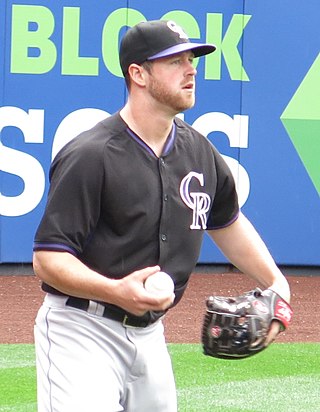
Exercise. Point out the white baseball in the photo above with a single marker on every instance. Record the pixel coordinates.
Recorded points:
(160, 283)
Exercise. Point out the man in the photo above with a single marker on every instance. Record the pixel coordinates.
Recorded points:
(130, 197)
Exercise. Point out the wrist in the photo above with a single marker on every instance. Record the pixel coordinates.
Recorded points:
(282, 289)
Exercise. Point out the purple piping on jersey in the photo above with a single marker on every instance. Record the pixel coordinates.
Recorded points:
(170, 140)
(226, 225)
(167, 147)
(140, 142)
(54, 247)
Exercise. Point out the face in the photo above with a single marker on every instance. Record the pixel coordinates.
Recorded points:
(171, 82)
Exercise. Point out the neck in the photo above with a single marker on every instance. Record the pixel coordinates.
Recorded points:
(153, 127)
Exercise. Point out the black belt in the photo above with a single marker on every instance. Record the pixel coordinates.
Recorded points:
(109, 312)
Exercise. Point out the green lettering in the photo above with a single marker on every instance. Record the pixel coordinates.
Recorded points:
(23, 40)
(72, 63)
(186, 21)
(214, 35)
(110, 36)
(228, 46)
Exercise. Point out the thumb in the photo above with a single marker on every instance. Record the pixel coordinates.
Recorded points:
(273, 332)
(143, 274)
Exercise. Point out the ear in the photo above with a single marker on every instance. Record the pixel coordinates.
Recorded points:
(137, 74)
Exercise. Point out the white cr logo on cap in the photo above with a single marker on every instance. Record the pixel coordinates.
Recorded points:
(177, 29)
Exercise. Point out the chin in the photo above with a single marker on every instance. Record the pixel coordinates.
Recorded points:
(186, 107)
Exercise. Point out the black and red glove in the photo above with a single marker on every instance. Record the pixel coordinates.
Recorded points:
(237, 327)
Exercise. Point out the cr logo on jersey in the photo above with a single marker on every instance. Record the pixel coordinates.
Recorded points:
(199, 202)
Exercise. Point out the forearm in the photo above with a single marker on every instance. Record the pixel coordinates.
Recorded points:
(245, 249)
(69, 275)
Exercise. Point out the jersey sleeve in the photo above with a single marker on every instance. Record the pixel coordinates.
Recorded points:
(225, 207)
(73, 204)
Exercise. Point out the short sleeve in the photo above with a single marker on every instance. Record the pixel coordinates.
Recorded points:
(73, 204)
(225, 207)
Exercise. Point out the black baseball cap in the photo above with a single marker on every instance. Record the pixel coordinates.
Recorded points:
(154, 39)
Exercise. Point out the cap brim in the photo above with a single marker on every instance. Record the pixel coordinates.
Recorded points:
(197, 48)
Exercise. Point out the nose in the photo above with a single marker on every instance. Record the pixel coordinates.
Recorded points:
(191, 70)
(194, 70)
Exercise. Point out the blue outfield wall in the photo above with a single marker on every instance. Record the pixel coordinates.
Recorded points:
(257, 100)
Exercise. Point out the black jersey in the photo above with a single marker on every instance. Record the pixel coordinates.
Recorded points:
(119, 208)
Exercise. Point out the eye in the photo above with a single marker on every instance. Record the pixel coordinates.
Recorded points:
(176, 61)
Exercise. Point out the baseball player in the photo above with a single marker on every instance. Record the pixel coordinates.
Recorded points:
(128, 198)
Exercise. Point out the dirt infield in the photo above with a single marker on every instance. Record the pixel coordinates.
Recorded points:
(21, 296)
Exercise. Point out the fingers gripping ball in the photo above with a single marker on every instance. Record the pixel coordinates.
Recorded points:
(237, 327)
(160, 284)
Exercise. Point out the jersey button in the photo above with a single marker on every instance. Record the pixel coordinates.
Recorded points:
(163, 237)
(165, 197)
(162, 161)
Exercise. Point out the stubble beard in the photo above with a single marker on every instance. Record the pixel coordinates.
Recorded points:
(177, 101)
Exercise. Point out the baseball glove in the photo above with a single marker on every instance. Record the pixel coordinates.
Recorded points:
(237, 327)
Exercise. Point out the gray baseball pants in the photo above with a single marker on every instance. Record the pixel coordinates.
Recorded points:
(88, 363)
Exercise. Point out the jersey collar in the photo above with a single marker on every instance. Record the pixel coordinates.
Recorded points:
(167, 147)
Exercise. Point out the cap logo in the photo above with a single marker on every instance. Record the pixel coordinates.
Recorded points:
(177, 29)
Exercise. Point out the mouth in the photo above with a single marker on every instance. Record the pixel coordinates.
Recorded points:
(189, 86)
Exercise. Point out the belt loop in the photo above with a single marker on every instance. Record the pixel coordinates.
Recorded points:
(107, 311)
(95, 308)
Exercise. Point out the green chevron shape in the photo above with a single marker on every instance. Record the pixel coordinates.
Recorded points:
(301, 119)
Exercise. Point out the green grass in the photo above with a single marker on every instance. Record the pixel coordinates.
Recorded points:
(17, 378)
(283, 378)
